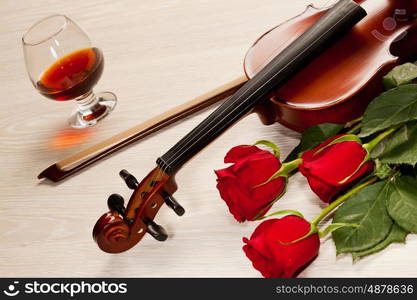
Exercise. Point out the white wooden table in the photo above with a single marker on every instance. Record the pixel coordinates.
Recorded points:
(158, 54)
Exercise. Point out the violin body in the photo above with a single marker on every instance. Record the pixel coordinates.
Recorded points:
(339, 84)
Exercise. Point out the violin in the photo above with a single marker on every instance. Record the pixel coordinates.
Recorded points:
(335, 87)
(339, 84)
(123, 227)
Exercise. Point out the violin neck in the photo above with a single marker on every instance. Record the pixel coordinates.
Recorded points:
(337, 21)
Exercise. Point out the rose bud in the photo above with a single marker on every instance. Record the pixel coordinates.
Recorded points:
(335, 165)
(278, 248)
(242, 186)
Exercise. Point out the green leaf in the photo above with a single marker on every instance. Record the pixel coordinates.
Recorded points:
(400, 75)
(393, 108)
(402, 203)
(313, 136)
(396, 235)
(400, 147)
(367, 209)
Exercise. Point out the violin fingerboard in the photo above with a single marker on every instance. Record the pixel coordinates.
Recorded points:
(329, 28)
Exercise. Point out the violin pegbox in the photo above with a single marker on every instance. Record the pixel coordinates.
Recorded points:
(123, 227)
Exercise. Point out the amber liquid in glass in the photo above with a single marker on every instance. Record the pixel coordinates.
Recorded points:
(72, 75)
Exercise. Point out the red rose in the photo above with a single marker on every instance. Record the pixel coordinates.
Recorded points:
(334, 168)
(271, 251)
(236, 184)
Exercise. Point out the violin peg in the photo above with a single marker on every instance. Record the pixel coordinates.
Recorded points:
(130, 180)
(115, 202)
(173, 203)
(156, 231)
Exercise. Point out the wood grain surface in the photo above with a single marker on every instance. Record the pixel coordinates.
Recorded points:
(158, 54)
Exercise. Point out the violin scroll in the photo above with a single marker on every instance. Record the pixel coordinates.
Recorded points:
(122, 227)
(113, 235)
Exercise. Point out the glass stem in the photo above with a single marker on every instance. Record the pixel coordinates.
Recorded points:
(87, 101)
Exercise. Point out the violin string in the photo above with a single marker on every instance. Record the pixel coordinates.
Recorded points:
(272, 55)
(239, 98)
(163, 169)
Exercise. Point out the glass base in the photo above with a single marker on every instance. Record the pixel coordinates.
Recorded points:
(92, 109)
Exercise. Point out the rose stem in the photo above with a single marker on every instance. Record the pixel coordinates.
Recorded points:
(372, 144)
(341, 199)
(287, 168)
(355, 129)
(284, 171)
(353, 122)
